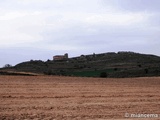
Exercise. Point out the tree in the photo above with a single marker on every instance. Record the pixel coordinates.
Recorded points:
(115, 69)
(146, 71)
(103, 74)
(7, 66)
(140, 65)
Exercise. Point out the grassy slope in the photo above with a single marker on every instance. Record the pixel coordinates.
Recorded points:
(123, 64)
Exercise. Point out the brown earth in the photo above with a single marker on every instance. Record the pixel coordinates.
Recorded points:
(61, 98)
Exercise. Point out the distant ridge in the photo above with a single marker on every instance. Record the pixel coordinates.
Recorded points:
(110, 64)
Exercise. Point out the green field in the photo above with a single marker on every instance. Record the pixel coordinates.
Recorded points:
(95, 73)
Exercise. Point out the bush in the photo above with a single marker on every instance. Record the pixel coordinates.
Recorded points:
(7, 66)
(103, 74)
(146, 71)
(49, 72)
(115, 69)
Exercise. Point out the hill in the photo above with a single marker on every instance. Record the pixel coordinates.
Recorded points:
(121, 64)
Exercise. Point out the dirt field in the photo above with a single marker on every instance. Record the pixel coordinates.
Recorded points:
(61, 98)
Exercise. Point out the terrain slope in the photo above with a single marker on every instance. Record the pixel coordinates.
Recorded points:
(111, 65)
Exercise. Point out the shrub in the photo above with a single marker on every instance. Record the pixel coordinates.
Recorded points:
(103, 74)
(49, 72)
(115, 69)
(146, 71)
(7, 66)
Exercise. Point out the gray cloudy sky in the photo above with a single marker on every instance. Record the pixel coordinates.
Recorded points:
(39, 29)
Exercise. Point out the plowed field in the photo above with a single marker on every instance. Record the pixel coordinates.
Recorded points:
(67, 98)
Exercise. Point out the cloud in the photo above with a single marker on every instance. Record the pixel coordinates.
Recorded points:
(135, 5)
(19, 27)
(79, 26)
(58, 24)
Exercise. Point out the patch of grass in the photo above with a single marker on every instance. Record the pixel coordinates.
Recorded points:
(94, 73)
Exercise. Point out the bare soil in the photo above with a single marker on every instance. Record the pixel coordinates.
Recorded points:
(66, 98)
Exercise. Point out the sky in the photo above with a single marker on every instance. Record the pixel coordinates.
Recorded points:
(40, 29)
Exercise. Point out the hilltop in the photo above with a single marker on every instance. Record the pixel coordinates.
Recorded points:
(111, 64)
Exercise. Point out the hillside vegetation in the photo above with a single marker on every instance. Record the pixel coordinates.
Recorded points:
(121, 64)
